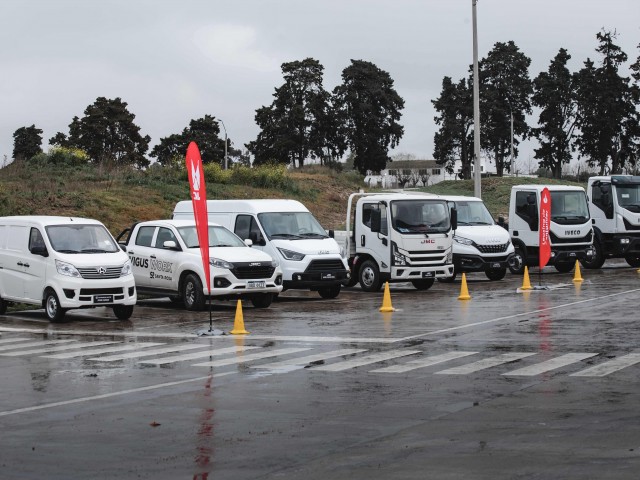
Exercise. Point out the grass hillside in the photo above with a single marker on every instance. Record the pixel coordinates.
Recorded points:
(120, 197)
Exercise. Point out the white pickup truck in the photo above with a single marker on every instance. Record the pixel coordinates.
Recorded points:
(166, 262)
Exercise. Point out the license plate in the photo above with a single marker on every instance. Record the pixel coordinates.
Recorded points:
(255, 284)
(103, 299)
(428, 274)
(495, 265)
(327, 276)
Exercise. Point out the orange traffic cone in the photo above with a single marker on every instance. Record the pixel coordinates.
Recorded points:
(386, 300)
(238, 323)
(577, 277)
(526, 283)
(464, 291)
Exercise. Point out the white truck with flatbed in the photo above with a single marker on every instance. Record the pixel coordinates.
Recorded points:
(398, 237)
(614, 202)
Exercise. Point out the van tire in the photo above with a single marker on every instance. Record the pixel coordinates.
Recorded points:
(192, 293)
(369, 276)
(564, 267)
(123, 312)
(495, 274)
(52, 308)
(329, 292)
(423, 284)
(262, 300)
(3, 306)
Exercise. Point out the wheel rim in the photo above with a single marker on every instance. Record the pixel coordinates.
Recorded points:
(52, 306)
(189, 293)
(368, 276)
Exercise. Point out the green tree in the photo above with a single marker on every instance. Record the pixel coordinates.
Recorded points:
(554, 93)
(204, 131)
(369, 109)
(505, 90)
(608, 118)
(454, 140)
(300, 123)
(27, 142)
(108, 135)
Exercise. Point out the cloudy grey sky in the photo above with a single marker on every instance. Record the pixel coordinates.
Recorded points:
(173, 61)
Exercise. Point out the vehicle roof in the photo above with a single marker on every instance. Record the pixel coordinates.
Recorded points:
(391, 196)
(261, 205)
(539, 188)
(616, 179)
(461, 198)
(46, 220)
(175, 223)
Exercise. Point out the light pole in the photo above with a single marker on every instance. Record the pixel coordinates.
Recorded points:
(225, 143)
(476, 106)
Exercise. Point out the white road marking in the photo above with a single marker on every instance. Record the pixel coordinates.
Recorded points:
(122, 348)
(248, 358)
(11, 340)
(484, 363)
(302, 361)
(366, 360)
(59, 348)
(193, 356)
(552, 364)
(611, 366)
(34, 344)
(149, 352)
(423, 362)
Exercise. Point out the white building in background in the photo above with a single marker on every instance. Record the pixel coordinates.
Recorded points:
(419, 173)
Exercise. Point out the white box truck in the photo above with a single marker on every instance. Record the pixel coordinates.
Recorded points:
(60, 263)
(614, 202)
(479, 244)
(287, 231)
(570, 229)
(398, 237)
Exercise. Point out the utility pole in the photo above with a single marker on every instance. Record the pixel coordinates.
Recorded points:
(476, 107)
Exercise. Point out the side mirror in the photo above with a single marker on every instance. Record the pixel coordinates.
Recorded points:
(123, 247)
(454, 218)
(248, 242)
(331, 234)
(170, 244)
(39, 250)
(253, 236)
(376, 221)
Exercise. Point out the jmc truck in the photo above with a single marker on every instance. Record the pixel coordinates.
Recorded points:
(398, 237)
(614, 202)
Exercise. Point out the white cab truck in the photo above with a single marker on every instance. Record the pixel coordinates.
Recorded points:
(570, 229)
(289, 233)
(479, 244)
(62, 263)
(614, 202)
(166, 261)
(398, 237)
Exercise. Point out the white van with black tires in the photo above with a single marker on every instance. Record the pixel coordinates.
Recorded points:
(62, 263)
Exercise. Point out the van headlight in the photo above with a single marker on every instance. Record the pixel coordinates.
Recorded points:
(219, 263)
(290, 255)
(126, 269)
(67, 269)
(462, 240)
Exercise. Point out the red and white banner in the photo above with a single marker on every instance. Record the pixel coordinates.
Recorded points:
(545, 224)
(199, 199)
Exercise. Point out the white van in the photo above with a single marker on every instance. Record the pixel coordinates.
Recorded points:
(61, 263)
(287, 231)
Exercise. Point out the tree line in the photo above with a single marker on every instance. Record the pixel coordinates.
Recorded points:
(593, 112)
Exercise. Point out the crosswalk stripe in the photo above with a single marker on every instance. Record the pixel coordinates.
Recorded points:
(193, 356)
(366, 360)
(11, 340)
(247, 358)
(301, 361)
(609, 367)
(551, 364)
(484, 363)
(59, 348)
(423, 362)
(122, 348)
(149, 352)
(39, 343)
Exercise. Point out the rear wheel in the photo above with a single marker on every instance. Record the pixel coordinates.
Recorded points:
(496, 274)
(633, 260)
(262, 300)
(597, 260)
(424, 284)
(55, 313)
(564, 267)
(192, 293)
(123, 312)
(518, 261)
(329, 292)
(369, 276)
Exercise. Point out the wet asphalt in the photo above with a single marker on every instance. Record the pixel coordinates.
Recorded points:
(515, 385)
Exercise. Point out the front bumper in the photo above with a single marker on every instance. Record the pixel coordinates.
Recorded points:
(476, 263)
(624, 244)
(317, 279)
(82, 293)
(569, 254)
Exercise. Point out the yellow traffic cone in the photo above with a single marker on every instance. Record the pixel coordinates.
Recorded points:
(386, 300)
(577, 277)
(526, 284)
(238, 323)
(464, 291)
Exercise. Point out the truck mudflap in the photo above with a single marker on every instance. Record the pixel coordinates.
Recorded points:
(476, 263)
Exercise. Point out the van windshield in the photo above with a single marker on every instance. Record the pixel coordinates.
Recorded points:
(472, 212)
(291, 225)
(218, 237)
(81, 239)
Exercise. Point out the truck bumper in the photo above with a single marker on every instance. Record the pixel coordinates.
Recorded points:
(570, 254)
(624, 244)
(476, 263)
(407, 274)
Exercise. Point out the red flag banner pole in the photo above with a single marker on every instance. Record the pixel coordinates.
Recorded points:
(199, 199)
(545, 225)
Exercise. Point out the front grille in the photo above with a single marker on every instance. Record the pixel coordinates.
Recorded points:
(493, 248)
(325, 265)
(246, 271)
(555, 240)
(95, 273)
(101, 291)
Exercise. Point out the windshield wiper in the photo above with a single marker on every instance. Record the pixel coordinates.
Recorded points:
(314, 235)
(222, 245)
(68, 251)
(284, 235)
(94, 250)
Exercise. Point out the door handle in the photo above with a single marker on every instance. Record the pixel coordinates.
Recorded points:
(362, 240)
(25, 265)
(20, 264)
(153, 256)
(131, 252)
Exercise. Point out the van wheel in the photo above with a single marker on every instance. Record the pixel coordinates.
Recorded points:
(424, 284)
(597, 260)
(3, 306)
(192, 293)
(329, 292)
(633, 260)
(123, 312)
(55, 313)
(369, 276)
(262, 300)
(495, 274)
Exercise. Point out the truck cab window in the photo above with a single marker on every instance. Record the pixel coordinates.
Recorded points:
(527, 210)
(145, 235)
(164, 235)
